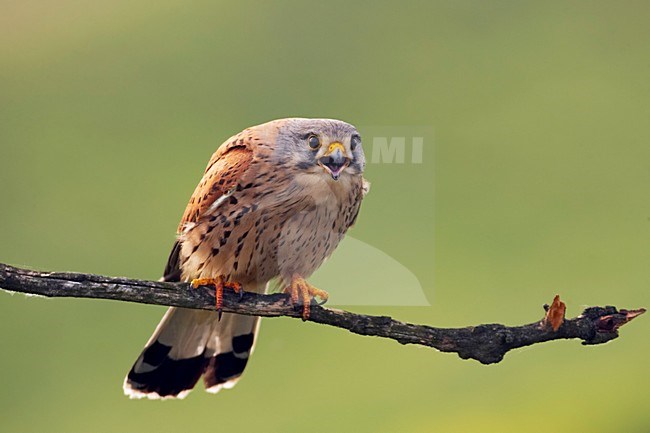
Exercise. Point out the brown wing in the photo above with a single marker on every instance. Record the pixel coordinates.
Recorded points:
(222, 174)
(225, 168)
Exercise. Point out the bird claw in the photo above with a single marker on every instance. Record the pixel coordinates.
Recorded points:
(219, 283)
(302, 293)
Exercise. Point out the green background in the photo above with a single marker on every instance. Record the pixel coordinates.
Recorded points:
(535, 183)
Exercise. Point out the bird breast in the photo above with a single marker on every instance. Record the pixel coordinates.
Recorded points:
(271, 228)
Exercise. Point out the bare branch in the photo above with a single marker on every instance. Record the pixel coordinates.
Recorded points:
(485, 343)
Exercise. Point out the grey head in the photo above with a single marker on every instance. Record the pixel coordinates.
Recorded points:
(320, 146)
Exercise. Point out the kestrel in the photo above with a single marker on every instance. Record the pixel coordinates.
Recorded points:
(274, 202)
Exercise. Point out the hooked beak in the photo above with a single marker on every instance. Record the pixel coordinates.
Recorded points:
(334, 160)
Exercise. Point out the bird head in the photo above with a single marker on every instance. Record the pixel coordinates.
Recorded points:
(323, 147)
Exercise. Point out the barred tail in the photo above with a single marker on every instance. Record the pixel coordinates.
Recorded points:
(187, 344)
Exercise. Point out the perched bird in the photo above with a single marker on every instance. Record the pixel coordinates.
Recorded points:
(274, 202)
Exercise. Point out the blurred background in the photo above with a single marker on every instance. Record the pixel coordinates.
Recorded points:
(534, 182)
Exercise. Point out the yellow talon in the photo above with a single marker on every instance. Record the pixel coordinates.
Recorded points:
(219, 284)
(303, 292)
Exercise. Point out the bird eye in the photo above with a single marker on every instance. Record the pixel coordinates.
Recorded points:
(354, 141)
(313, 141)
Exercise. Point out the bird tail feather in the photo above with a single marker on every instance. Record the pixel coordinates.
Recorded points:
(190, 343)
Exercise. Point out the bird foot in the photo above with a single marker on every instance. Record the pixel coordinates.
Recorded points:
(219, 283)
(302, 292)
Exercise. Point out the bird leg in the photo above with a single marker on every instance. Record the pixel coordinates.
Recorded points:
(219, 285)
(302, 292)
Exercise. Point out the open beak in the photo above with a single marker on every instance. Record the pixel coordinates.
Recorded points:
(334, 160)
